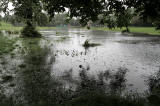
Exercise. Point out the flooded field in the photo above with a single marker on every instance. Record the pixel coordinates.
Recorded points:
(139, 55)
(59, 64)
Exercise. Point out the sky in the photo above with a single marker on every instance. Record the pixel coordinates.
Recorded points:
(10, 8)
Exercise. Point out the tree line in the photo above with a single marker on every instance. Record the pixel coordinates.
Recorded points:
(116, 13)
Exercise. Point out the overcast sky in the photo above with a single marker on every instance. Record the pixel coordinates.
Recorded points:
(10, 8)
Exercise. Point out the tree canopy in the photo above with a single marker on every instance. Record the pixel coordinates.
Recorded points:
(85, 10)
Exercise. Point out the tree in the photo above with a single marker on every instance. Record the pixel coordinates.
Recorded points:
(124, 18)
(148, 9)
(84, 9)
(42, 19)
(28, 10)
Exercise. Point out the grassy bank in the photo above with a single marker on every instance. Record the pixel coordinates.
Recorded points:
(143, 30)
(9, 27)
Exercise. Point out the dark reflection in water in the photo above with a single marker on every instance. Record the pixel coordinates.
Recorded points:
(154, 89)
(36, 86)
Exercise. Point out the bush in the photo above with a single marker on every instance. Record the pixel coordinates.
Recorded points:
(87, 44)
(30, 31)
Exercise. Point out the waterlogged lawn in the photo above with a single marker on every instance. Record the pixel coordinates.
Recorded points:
(35, 81)
(145, 30)
(9, 27)
(6, 45)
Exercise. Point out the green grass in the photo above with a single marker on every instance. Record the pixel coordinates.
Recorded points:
(143, 30)
(8, 27)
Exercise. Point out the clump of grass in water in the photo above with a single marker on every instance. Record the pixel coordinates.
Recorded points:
(12, 32)
(88, 44)
(7, 78)
(92, 92)
(62, 38)
(57, 33)
(60, 33)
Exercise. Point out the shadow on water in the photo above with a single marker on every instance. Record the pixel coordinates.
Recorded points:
(36, 86)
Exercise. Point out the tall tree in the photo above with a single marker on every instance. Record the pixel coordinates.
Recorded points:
(148, 9)
(27, 11)
(84, 9)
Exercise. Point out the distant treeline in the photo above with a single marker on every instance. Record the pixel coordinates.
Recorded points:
(43, 20)
(62, 20)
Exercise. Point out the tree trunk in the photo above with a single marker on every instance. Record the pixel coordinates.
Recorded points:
(127, 29)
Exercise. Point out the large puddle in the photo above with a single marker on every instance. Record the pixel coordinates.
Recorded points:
(140, 55)
(59, 62)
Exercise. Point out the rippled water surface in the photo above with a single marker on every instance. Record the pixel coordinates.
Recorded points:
(139, 54)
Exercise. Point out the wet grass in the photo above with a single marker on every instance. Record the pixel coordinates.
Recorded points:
(141, 30)
(87, 44)
(6, 45)
(101, 99)
(9, 28)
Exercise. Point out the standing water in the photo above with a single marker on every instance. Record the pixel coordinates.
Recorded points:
(140, 55)
(50, 70)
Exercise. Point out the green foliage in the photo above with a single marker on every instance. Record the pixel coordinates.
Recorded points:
(42, 19)
(124, 18)
(147, 9)
(59, 19)
(27, 10)
(86, 10)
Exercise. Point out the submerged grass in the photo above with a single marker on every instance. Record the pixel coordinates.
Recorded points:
(142, 30)
(62, 38)
(101, 99)
(6, 45)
